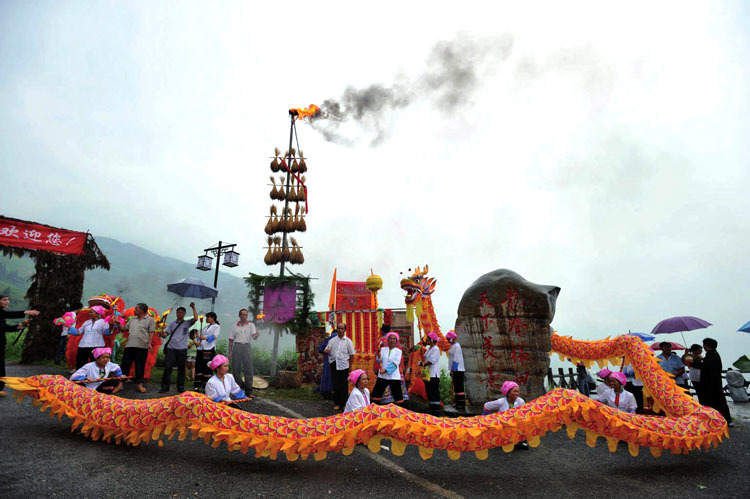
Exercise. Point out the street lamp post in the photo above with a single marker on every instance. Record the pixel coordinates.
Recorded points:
(231, 259)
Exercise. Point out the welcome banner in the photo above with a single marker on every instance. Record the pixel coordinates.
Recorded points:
(31, 236)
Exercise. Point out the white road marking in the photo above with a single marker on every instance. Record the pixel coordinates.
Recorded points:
(417, 480)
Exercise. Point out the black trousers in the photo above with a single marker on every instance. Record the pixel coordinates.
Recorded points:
(2, 359)
(60, 353)
(433, 395)
(174, 357)
(458, 390)
(138, 356)
(340, 385)
(202, 371)
(83, 356)
(379, 389)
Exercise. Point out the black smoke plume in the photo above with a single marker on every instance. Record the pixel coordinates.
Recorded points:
(452, 73)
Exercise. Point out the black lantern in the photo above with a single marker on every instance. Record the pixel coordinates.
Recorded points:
(231, 258)
(204, 262)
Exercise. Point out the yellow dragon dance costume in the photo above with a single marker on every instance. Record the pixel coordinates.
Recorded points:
(687, 425)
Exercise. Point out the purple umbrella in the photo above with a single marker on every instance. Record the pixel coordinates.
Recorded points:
(679, 324)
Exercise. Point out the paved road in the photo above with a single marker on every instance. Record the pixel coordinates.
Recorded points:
(40, 457)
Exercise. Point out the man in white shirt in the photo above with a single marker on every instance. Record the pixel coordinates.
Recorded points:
(340, 352)
(241, 352)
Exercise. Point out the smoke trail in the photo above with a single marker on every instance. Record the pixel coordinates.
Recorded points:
(451, 75)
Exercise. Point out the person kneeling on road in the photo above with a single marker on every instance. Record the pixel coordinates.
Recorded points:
(221, 387)
(100, 368)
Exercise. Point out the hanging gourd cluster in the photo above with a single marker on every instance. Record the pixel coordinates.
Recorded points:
(282, 220)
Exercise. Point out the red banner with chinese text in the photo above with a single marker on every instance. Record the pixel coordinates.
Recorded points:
(352, 296)
(32, 236)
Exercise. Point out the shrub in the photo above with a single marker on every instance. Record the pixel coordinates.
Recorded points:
(446, 388)
(286, 361)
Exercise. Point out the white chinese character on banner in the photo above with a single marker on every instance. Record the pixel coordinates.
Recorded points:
(32, 235)
(54, 239)
(9, 231)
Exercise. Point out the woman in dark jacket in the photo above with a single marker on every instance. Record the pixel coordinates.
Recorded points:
(6, 328)
(712, 385)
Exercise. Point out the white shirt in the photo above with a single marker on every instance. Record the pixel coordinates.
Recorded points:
(211, 329)
(242, 333)
(357, 400)
(626, 402)
(602, 389)
(433, 357)
(388, 356)
(456, 356)
(93, 333)
(501, 404)
(91, 371)
(217, 389)
(341, 349)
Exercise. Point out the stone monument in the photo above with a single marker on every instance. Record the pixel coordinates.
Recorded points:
(503, 327)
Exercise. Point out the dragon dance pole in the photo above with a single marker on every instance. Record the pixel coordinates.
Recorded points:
(277, 328)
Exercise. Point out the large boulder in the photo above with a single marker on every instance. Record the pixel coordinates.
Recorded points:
(503, 327)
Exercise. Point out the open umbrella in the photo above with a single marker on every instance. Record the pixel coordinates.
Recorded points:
(745, 328)
(675, 346)
(642, 336)
(192, 288)
(679, 324)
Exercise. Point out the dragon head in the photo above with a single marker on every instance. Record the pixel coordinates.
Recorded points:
(418, 284)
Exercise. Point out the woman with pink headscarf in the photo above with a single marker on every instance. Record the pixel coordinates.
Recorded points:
(99, 369)
(512, 399)
(617, 397)
(221, 387)
(432, 360)
(93, 332)
(603, 387)
(389, 373)
(359, 398)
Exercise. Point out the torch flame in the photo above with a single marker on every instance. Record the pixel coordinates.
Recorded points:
(312, 111)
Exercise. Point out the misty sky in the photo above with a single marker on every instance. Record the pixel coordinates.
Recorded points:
(599, 148)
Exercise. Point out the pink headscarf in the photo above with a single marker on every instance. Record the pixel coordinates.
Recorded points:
(217, 361)
(433, 336)
(619, 377)
(99, 310)
(604, 373)
(392, 334)
(450, 335)
(354, 376)
(98, 352)
(508, 386)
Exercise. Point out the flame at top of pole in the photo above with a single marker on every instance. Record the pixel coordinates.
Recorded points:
(312, 111)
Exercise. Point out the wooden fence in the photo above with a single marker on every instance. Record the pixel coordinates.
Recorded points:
(569, 379)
